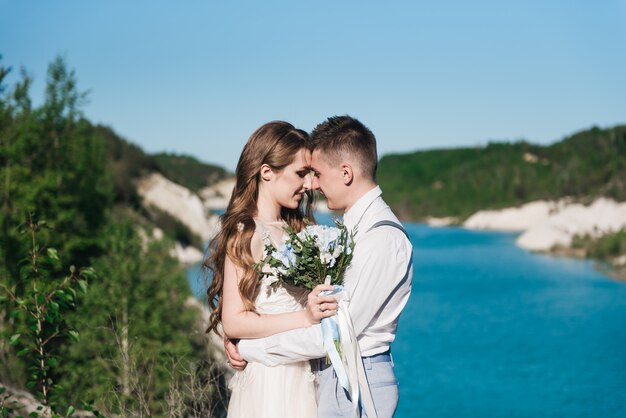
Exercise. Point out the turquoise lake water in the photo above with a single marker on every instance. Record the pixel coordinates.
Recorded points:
(494, 331)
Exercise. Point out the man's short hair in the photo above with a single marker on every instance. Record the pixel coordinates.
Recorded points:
(345, 138)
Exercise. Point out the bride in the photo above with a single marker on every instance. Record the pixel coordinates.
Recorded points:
(272, 177)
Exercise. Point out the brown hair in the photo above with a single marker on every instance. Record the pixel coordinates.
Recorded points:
(275, 144)
(340, 136)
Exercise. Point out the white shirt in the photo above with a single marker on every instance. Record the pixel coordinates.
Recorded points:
(378, 282)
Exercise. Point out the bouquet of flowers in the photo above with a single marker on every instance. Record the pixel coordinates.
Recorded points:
(317, 254)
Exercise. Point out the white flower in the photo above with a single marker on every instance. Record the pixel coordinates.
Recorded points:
(338, 251)
(327, 258)
(325, 236)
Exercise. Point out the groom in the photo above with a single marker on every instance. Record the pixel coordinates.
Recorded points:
(378, 280)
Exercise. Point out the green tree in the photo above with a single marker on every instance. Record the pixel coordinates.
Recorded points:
(41, 310)
(49, 166)
(53, 167)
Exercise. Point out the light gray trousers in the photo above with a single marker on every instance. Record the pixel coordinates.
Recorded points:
(334, 402)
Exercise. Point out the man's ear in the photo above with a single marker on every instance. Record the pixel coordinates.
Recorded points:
(347, 174)
(266, 172)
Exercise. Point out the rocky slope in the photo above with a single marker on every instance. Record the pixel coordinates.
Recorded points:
(187, 207)
(553, 225)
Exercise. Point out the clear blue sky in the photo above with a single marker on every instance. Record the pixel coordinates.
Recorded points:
(197, 77)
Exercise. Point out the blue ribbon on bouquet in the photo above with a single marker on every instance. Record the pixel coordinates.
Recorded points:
(338, 335)
(330, 335)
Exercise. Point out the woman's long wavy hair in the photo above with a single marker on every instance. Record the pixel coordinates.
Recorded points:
(275, 144)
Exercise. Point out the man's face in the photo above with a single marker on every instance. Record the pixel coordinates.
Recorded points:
(328, 180)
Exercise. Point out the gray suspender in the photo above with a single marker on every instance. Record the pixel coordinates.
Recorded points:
(389, 223)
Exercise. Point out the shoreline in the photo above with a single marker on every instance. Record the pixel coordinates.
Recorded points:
(616, 272)
(606, 267)
(563, 228)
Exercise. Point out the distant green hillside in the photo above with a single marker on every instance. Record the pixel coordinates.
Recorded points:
(127, 162)
(188, 171)
(459, 182)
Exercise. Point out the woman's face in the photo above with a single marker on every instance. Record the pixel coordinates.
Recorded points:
(292, 181)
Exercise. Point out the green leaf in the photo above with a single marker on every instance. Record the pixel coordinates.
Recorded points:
(89, 273)
(66, 296)
(15, 338)
(53, 254)
(23, 352)
(70, 411)
(2, 390)
(83, 286)
(74, 336)
(54, 307)
(33, 415)
(52, 361)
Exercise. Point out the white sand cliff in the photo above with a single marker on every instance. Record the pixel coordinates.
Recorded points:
(182, 204)
(603, 216)
(187, 255)
(514, 219)
(217, 195)
(177, 201)
(444, 221)
(549, 224)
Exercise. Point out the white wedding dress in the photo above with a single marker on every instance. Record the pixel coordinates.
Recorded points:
(285, 391)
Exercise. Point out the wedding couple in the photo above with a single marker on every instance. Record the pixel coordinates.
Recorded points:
(279, 356)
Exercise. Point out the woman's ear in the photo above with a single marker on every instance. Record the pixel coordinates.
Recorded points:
(266, 172)
(347, 174)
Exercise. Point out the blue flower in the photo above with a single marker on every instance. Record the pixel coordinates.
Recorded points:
(286, 255)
